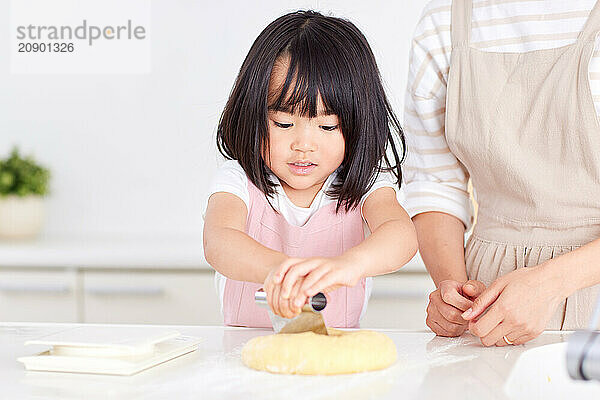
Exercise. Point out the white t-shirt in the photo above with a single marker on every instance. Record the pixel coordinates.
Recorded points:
(231, 178)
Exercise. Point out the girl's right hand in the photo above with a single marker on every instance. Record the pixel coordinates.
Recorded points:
(448, 302)
(272, 286)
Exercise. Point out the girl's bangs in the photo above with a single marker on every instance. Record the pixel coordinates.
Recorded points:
(303, 87)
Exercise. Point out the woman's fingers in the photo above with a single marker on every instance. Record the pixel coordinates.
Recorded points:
(509, 336)
(443, 318)
(495, 336)
(522, 339)
(451, 293)
(486, 324)
(439, 331)
(445, 307)
(450, 313)
(473, 289)
(486, 299)
(441, 326)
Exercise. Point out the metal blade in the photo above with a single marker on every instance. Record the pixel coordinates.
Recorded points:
(309, 320)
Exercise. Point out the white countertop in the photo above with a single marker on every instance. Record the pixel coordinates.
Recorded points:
(159, 252)
(429, 367)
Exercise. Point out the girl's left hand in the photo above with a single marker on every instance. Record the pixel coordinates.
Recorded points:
(518, 304)
(306, 277)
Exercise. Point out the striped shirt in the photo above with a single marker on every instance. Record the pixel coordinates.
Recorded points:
(434, 179)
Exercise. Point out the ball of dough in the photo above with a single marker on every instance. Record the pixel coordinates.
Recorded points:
(307, 353)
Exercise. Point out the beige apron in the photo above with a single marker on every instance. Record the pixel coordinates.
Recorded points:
(525, 128)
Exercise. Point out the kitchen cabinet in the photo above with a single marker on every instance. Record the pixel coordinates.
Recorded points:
(155, 280)
(171, 296)
(399, 301)
(39, 295)
(109, 296)
(138, 297)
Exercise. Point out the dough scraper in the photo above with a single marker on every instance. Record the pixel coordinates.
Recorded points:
(310, 318)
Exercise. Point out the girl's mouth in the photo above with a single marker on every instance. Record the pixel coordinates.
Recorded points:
(302, 168)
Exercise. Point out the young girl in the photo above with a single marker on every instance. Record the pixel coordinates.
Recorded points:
(306, 130)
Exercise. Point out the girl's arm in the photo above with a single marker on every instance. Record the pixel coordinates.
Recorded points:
(393, 239)
(392, 243)
(227, 247)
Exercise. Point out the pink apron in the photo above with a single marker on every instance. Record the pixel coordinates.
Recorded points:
(325, 234)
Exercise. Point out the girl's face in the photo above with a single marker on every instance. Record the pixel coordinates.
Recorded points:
(303, 151)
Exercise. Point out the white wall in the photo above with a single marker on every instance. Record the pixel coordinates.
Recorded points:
(133, 154)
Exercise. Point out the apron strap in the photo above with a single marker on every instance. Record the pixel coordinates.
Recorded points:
(592, 25)
(461, 22)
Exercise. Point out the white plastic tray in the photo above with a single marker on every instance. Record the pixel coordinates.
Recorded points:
(108, 350)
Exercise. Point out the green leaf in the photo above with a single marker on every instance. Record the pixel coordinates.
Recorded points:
(22, 176)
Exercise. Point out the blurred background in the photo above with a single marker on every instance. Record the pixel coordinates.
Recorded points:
(131, 154)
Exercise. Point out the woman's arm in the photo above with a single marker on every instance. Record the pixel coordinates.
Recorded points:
(520, 304)
(435, 187)
(580, 267)
(441, 243)
(227, 247)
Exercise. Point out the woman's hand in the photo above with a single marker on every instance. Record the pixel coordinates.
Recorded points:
(296, 279)
(518, 304)
(447, 303)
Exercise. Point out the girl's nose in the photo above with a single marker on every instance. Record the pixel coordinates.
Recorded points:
(304, 141)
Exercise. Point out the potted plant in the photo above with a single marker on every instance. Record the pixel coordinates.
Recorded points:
(23, 185)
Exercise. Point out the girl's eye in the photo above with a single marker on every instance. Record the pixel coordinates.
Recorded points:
(329, 128)
(282, 125)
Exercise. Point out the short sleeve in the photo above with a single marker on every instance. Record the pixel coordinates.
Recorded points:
(229, 178)
(384, 179)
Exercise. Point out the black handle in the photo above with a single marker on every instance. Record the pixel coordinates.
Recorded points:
(318, 302)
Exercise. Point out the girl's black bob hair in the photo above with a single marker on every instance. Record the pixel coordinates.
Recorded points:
(328, 57)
